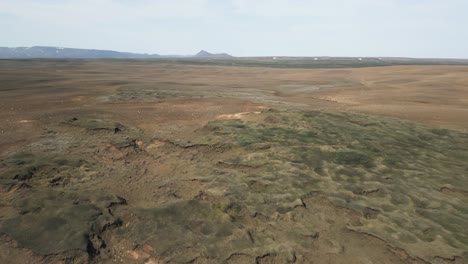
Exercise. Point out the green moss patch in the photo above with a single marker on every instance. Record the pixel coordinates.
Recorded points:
(396, 168)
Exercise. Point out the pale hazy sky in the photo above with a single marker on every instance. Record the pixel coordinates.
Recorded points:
(411, 28)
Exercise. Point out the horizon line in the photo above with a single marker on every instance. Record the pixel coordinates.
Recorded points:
(249, 56)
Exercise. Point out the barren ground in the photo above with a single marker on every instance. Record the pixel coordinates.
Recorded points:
(142, 162)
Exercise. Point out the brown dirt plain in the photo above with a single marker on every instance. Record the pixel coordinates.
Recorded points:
(114, 161)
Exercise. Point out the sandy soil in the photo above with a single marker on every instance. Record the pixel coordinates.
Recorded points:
(32, 92)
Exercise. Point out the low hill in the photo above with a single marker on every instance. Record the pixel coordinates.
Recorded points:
(206, 54)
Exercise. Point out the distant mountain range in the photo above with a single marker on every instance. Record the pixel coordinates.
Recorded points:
(70, 53)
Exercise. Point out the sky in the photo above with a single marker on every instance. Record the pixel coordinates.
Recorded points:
(358, 28)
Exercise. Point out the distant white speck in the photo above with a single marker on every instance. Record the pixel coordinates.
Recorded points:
(274, 58)
(360, 59)
(315, 58)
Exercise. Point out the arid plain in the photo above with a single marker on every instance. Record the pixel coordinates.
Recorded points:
(140, 161)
